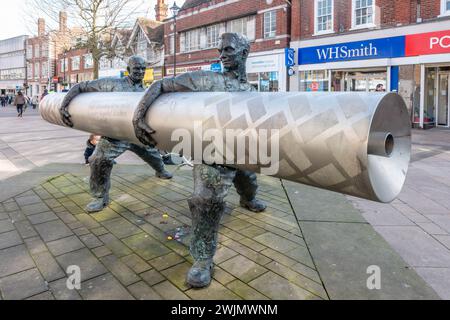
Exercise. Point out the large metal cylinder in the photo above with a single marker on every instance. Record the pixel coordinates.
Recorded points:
(352, 143)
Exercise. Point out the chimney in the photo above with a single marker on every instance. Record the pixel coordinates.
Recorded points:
(41, 27)
(62, 21)
(161, 10)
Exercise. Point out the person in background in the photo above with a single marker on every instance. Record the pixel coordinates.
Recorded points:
(19, 101)
(90, 147)
(3, 100)
(379, 87)
(44, 94)
(34, 102)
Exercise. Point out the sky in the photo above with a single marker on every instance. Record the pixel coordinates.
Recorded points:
(13, 13)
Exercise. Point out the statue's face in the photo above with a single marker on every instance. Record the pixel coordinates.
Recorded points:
(231, 54)
(137, 71)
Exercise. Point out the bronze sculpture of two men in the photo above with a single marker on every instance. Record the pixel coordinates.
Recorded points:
(211, 182)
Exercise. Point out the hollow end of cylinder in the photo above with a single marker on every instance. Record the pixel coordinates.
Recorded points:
(381, 144)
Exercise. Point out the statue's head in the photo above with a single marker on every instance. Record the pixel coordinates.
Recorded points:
(136, 69)
(234, 49)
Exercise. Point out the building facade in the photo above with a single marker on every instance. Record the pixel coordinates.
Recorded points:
(115, 64)
(74, 66)
(12, 64)
(358, 45)
(199, 24)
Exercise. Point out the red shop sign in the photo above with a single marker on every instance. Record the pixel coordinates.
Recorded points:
(427, 43)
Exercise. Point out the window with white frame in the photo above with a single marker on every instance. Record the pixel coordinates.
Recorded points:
(363, 13)
(212, 36)
(44, 70)
(270, 24)
(323, 16)
(192, 40)
(171, 44)
(76, 63)
(29, 71)
(36, 51)
(445, 7)
(244, 26)
(88, 61)
(36, 71)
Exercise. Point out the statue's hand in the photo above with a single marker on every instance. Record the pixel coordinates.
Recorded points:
(65, 115)
(144, 133)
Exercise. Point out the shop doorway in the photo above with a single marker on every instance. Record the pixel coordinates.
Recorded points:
(443, 99)
(359, 80)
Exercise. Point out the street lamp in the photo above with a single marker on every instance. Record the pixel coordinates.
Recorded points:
(175, 9)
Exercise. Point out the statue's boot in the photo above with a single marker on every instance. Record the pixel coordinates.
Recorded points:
(164, 175)
(247, 186)
(97, 204)
(253, 205)
(199, 276)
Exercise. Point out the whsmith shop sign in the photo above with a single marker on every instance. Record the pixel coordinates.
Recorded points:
(393, 47)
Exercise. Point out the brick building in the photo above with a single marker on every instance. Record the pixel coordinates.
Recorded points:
(266, 23)
(42, 52)
(355, 45)
(74, 66)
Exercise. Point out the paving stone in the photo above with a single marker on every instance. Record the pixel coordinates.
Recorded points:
(302, 255)
(215, 291)
(438, 278)
(146, 246)
(444, 239)
(34, 209)
(91, 241)
(276, 242)
(243, 268)
(223, 253)
(66, 217)
(17, 216)
(120, 270)
(115, 245)
(35, 245)
(152, 277)
(253, 231)
(88, 263)
(75, 225)
(105, 287)
(306, 271)
(46, 296)
(22, 285)
(169, 292)
(252, 244)
(61, 292)
(298, 279)
(42, 217)
(11, 206)
(65, 245)
(24, 201)
(222, 276)
(53, 230)
(431, 228)
(443, 221)
(238, 224)
(99, 231)
(136, 263)
(6, 225)
(105, 215)
(48, 266)
(101, 251)
(4, 215)
(247, 252)
(81, 231)
(121, 228)
(245, 291)
(25, 229)
(9, 239)
(13, 260)
(141, 291)
(177, 275)
(166, 261)
(87, 221)
(278, 288)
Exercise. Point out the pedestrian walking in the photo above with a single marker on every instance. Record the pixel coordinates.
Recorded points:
(3, 100)
(34, 102)
(44, 94)
(20, 101)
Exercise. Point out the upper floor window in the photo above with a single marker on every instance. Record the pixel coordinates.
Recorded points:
(76, 63)
(244, 26)
(212, 36)
(36, 51)
(445, 7)
(44, 70)
(363, 13)
(270, 24)
(88, 61)
(323, 16)
(192, 41)
(36, 70)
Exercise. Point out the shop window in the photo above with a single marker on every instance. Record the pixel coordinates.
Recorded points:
(363, 13)
(317, 80)
(323, 16)
(270, 24)
(430, 97)
(264, 81)
(362, 81)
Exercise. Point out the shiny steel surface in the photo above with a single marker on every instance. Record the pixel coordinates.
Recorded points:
(323, 137)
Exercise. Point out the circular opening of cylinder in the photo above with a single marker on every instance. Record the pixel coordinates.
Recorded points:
(389, 144)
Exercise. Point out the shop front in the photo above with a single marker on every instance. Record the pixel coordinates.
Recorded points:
(405, 60)
(266, 72)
